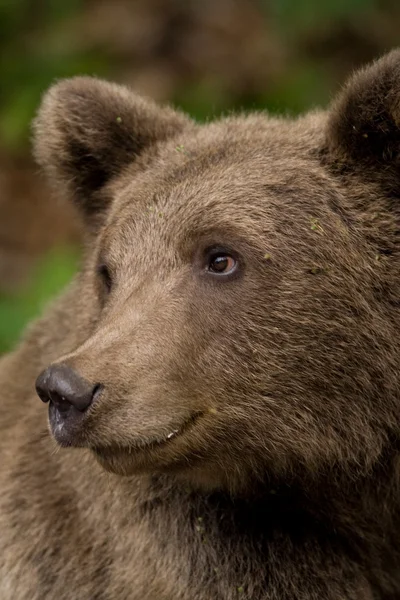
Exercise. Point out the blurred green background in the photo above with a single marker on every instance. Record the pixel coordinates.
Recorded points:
(206, 56)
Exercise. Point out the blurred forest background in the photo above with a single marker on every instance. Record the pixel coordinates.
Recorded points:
(205, 56)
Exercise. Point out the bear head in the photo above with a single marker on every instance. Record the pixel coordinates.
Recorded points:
(242, 283)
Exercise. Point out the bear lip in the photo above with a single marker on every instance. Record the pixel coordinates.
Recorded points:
(152, 443)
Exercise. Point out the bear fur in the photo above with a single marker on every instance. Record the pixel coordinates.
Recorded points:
(245, 443)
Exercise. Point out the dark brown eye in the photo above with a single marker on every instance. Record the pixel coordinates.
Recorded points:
(105, 275)
(221, 263)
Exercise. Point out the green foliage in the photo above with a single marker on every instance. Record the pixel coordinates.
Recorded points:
(34, 50)
(299, 15)
(51, 275)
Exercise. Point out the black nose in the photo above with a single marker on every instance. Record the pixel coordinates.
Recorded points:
(65, 388)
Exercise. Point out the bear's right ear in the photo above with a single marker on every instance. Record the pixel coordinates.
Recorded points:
(87, 130)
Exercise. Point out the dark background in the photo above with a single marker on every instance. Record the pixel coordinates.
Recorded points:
(205, 56)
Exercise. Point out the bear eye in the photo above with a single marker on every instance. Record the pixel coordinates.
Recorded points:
(104, 273)
(221, 262)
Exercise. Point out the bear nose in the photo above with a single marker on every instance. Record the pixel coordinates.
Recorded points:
(62, 386)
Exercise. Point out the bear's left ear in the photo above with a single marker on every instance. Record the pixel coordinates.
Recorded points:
(87, 130)
(364, 123)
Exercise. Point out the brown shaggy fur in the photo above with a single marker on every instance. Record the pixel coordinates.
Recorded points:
(281, 381)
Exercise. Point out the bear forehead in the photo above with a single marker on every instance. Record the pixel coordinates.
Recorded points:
(228, 175)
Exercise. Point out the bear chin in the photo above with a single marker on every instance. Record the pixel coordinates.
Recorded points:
(122, 461)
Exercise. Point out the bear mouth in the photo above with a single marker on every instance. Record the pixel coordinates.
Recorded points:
(138, 446)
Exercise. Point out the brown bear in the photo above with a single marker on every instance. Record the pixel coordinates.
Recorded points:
(222, 376)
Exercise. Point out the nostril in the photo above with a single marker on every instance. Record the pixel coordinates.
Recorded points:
(41, 387)
(98, 388)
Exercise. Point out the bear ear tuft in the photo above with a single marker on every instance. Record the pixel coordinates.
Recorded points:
(364, 123)
(87, 130)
